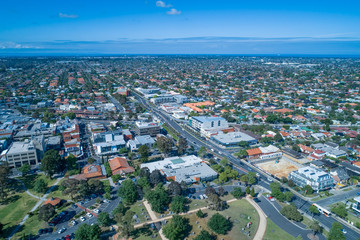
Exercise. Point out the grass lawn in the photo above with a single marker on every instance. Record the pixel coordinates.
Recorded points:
(57, 193)
(197, 203)
(30, 180)
(275, 232)
(227, 197)
(105, 182)
(347, 189)
(136, 208)
(31, 226)
(12, 213)
(238, 212)
(351, 218)
(145, 233)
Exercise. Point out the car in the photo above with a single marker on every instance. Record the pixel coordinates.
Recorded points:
(89, 215)
(344, 231)
(61, 230)
(256, 200)
(96, 210)
(82, 219)
(106, 201)
(73, 222)
(67, 237)
(41, 231)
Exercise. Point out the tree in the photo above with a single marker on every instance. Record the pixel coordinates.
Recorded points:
(238, 193)
(221, 191)
(178, 204)
(340, 210)
(335, 232)
(70, 186)
(224, 162)
(247, 190)
(296, 148)
(164, 144)
(291, 183)
(144, 172)
(108, 169)
(219, 224)
(308, 189)
(200, 214)
(24, 169)
(291, 213)
(71, 162)
(88, 232)
(91, 160)
(202, 151)
(215, 202)
(158, 198)
(252, 178)
(126, 224)
(123, 150)
(278, 137)
(144, 153)
(40, 186)
(52, 163)
(242, 153)
(156, 177)
(252, 192)
(104, 219)
(181, 146)
(46, 212)
(315, 226)
(4, 179)
(120, 210)
(243, 144)
(314, 210)
(204, 235)
(128, 192)
(177, 228)
(174, 188)
(288, 196)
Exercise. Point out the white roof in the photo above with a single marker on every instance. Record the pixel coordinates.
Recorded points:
(269, 149)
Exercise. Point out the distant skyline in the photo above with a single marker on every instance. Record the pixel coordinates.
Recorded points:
(179, 27)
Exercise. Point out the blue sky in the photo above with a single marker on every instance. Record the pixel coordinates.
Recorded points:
(180, 26)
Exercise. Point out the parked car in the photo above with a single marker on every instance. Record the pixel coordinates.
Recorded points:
(61, 230)
(89, 215)
(82, 219)
(73, 222)
(96, 210)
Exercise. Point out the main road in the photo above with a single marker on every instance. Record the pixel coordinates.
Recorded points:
(300, 203)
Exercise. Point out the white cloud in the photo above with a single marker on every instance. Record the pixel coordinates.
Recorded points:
(173, 11)
(64, 15)
(14, 45)
(162, 4)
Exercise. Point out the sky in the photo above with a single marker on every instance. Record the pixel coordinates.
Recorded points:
(180, 27)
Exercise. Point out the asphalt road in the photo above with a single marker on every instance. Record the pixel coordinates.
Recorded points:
(338, 197)
(241, 168)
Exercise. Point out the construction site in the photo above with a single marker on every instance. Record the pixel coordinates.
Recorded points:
(278, 168)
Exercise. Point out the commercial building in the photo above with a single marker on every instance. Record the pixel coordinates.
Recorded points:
(133, 145)
(36, 129)
(189, 169)
(163, 98)
(233, 138)
(269, 152)
(356, 205)
(110, 144)
(207, 123)
(316, 178)
(329, 150)
(21, 153)
(146, 128)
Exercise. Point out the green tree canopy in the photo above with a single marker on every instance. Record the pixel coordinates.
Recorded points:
(128, 192)
(88, 232)
(177, 228)
(219, 224)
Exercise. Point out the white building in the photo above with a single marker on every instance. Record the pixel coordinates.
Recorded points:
(208, 124)
(317, 179)
(21, 153)
(162, 98)
(189, 169)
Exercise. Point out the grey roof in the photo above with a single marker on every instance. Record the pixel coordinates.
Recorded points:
(233, 138)
(208, 119)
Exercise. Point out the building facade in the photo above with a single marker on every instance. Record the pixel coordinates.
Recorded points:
(317, 179)
(21, 153)
(145, 128)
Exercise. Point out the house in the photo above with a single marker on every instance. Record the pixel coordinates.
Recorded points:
(56, 202)
(120, 166)
(340, 175)
(133, 145)
(269, 152)
(92, 171)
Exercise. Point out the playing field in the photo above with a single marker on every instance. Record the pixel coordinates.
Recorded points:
(280, 169)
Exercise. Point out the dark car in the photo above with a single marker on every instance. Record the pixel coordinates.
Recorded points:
(41, 231)
(256, 200)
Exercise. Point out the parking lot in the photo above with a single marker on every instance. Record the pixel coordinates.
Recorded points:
(76, 209)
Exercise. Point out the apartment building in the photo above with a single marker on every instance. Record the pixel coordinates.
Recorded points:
(21, 153)
(146, 128)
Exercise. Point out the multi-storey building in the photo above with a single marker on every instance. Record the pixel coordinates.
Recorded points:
(21, 153)
(317, 179)
(145, 128)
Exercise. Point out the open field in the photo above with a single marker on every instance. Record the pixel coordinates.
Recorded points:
(238, 211)
(12, 213)
(273, 231)
(281, 169)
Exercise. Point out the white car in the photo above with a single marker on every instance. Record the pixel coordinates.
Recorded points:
(82, 219)
(73, 222)
(89, 215)
(96, 210)
(61, 230)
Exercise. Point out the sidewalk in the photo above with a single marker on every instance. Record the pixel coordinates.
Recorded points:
(263, 222)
